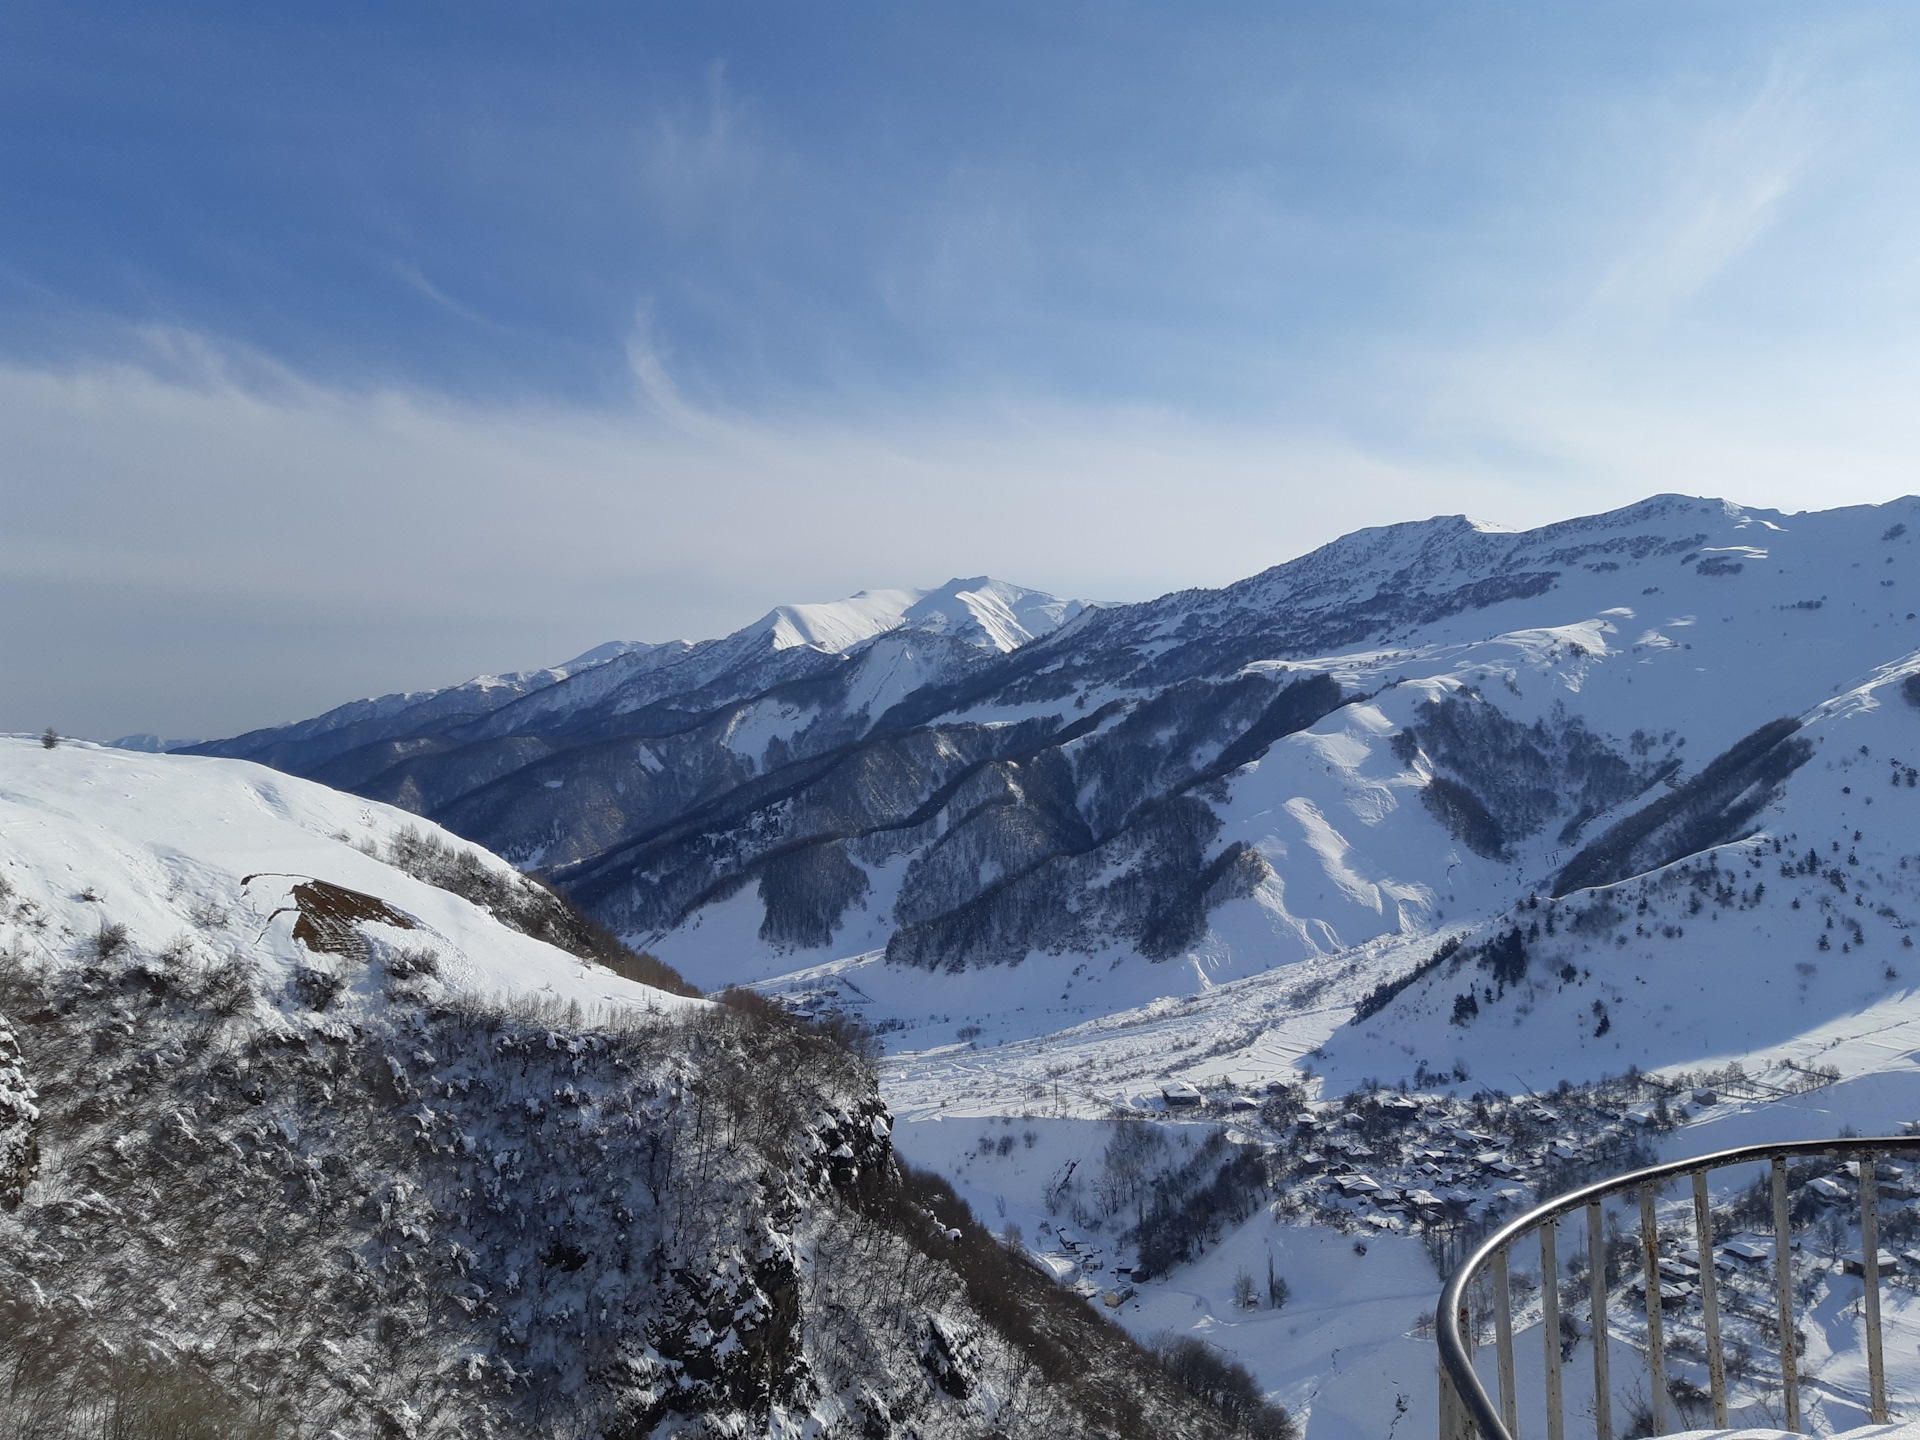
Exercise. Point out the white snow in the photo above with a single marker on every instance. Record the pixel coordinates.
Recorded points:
(92, 836)
(982, 611)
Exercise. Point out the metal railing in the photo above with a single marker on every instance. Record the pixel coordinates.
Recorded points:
(1465, 1405)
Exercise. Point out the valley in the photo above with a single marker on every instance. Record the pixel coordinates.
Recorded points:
(1267, 944)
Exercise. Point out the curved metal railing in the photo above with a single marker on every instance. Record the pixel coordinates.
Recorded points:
(1465, 1405)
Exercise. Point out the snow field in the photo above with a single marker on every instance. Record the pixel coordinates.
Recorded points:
(93, 838)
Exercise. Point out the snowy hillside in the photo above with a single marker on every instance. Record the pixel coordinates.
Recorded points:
(209, 852)
(301, 1136)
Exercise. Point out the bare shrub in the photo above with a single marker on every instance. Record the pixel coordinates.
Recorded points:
(411, 961)
(208, 914)
(316, 988)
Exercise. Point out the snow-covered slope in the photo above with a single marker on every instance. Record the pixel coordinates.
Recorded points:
(299, 1137)
(208, 853)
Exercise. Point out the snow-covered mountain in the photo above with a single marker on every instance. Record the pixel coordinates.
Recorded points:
(1400, 728)
(1215, 777)
(554, 766)
(318, 1121)
(1599, 839)
(982, 611)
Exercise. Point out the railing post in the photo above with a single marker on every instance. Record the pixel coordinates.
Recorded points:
(1870, 1270)
(1456, 1422)
(1550, 1323)
(1783, 1284)
(1597, 1293)
(1503, 1344)
(1656, 1341)
(1463, 1317)
(1710, 1300)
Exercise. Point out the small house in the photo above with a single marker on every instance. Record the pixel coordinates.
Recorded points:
(1672, 1296)
(1678, 1271)
(1179, 1095)
(1855, 1264)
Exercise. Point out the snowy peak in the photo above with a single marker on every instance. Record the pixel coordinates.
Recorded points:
(835, 625)
(991, 613)
(981, 611)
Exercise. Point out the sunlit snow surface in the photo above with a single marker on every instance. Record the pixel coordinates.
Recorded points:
(93, 837)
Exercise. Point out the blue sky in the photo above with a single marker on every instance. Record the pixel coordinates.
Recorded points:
(353, 348)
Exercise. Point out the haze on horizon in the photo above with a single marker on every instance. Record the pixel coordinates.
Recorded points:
(363, 351)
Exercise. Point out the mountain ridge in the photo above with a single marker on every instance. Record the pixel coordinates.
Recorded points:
(957, 804)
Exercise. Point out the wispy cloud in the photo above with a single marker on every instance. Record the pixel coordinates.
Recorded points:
(1726, 175)
(452, 539)
(699, 163)
(410, 274)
